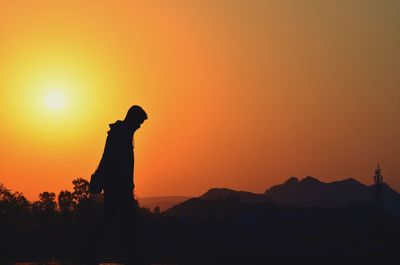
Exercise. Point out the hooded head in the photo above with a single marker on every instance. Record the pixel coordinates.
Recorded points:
(135, 117)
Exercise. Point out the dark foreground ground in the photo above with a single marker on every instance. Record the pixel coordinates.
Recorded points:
(209, 232)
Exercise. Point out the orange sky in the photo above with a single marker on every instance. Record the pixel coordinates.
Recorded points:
(240, 94)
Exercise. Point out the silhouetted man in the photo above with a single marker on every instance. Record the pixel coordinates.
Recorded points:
(114, 175)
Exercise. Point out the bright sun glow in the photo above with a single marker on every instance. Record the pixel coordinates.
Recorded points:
(49, 92)
(54, 100)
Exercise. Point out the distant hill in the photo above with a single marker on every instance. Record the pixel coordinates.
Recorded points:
(310, 192)
(164, 202)
(217, 202)
(244, 196)
(307, 192)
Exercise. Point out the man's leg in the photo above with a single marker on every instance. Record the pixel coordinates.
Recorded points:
(129, 238)
(106, 220)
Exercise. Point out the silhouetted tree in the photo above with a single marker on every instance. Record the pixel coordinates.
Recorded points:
(85, 204)
(81, 190)
(66, 201)
(5, 198)
(12, 202)
(4, 193)
(156, 210)
(20, 203)
(46, 202)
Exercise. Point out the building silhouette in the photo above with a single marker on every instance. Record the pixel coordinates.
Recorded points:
(378, 181)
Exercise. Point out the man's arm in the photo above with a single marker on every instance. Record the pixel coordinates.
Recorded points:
(98, 178)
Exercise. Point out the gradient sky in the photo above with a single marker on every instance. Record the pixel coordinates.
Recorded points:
(240, 94)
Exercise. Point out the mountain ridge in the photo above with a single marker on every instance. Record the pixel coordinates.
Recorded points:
(163, 202)
(309, 192)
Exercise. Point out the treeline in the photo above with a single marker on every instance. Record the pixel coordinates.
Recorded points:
(53, 226)
(57, 226)
(65, 201)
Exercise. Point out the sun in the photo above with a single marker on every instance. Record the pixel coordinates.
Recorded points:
(55, 100)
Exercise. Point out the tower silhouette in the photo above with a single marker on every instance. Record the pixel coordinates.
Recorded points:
(378, 180)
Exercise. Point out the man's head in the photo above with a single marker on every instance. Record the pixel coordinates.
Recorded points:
(135, 117)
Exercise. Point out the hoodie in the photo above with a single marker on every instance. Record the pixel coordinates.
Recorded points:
(117, 163)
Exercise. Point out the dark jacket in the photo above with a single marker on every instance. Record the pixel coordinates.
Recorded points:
(115, 171)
